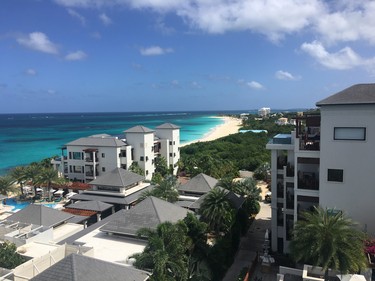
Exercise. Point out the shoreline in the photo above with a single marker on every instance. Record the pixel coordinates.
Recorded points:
(230, 126)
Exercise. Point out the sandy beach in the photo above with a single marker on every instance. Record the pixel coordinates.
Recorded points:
(230, 126)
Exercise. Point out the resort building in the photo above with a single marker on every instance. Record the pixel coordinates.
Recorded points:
(326, 161)
(264, 111)
(117, 189)
(86, 158)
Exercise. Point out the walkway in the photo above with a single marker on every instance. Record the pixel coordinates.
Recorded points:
(250, 245)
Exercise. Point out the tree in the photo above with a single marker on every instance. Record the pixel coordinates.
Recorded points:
(161, 166)
(134, 167)
(328, 239)
(9, 258)
(248, 189)
(48, 176)
(262, 172)
(6, 184)
(166, 252)
(166, 190)
(32, 173)
(19, 174)
(217, 211)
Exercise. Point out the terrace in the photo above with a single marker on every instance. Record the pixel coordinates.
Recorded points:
(308, 132)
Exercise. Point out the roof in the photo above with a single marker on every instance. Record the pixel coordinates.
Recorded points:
(118, 177)
(147, 214)
(96, 206)
(96, 141)
(167, 126)
(201, 183)
(40, 215)
(356, 94)
(139, 129)
(235, 199)
(82, 268)
(112, 199)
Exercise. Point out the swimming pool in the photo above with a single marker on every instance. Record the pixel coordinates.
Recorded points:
(18, 205)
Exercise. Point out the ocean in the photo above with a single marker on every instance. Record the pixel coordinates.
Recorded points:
(25, 138)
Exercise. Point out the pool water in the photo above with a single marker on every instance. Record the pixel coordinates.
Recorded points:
(17, 205)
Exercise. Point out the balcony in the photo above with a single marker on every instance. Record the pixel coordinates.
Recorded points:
(308, 181)
(90, 159)
(308, 132)
(309, 144)
(280, 190)
(91, 174)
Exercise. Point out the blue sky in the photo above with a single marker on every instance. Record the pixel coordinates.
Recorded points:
(177, 55)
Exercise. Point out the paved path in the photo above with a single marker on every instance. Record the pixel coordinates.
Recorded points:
(250, 245)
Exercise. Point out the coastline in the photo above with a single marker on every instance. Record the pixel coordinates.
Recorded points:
(230, 126)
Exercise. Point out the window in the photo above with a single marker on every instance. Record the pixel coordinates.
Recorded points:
(103, 155)
(146, 158)
(77, 155)
(141, 158)
(335, 175)
(170, 142)
(103, 169)
(122, 153)
(170, 154)
(349, 133)
(146, 172)
(77, 169)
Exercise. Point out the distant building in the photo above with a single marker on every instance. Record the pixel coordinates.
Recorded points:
(86, 158)
(326, 161)
(264, 111)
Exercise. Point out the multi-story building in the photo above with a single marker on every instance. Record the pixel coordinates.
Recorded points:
(264, 111)
(326, 161)
(86, 158)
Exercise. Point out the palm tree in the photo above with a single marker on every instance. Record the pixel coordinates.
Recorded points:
(19, 174)
(6, 184)
(166, 252)
(248, 189)
(217, 211)
(48, 176)
(166, 190)
(31, 174)
(328, 239)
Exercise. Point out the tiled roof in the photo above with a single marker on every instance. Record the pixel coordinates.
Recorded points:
(147, 214)
(82, 268)
(40, 215)
(118, 177)
(168, 126)
(356, 94)
(199, 184)
(97, 142)
(96, 206)
(139, 129)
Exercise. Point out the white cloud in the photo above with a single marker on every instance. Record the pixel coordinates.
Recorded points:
(105, 19)
(284, 75)
(175, 83)
(78, 55)
(30, 72)
(155, 51)
(255, 85)
(343, 59)
(38, 41)
(78, 16)
(96, 35)
(195, 85)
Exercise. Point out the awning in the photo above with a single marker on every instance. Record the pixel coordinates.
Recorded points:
(59, 192)
(70, 194)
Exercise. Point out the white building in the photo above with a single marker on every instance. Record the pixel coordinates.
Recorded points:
(328, 161)
(264, 111)
(86, 158)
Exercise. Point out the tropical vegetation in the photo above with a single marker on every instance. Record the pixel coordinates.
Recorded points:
(327, 238)
(9, 258)
(166, 190)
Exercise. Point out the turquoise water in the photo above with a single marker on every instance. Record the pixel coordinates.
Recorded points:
(25, 138)
(21, 205)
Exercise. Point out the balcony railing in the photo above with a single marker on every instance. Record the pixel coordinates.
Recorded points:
(91, 174)
(309, 144)
(88, 159)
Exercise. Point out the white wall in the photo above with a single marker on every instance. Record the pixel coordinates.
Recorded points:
(356, 194)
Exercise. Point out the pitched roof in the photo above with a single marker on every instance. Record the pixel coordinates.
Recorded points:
(139, 129)
(118, 177)
(147, 214)
(356, 94)
(201, 183)
(96, 206)
(235, 199)
(82, 268)
(40, 215)
(167, 126)
(96, 141)
(85, 196)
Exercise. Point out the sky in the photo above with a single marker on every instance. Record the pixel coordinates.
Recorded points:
(181, 55)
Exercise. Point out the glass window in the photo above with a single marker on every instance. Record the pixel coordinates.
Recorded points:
(103, 155)
(335, 175)
(77, 155)
(349, 133)
(103, 169)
